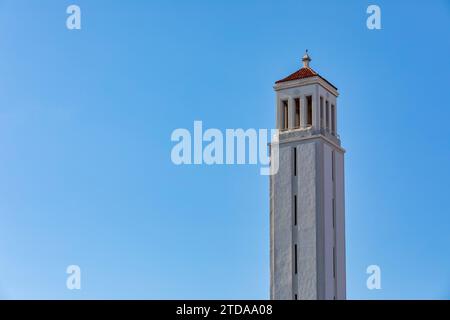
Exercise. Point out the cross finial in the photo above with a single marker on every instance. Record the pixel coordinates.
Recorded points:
(306, 59)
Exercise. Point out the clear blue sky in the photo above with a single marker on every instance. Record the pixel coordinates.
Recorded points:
(85, 124)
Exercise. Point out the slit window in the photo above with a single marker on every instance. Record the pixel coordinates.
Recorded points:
(333, 173)
(295, 210)
(334, 262)
(295, 161)
(334, 213)
(295, 262)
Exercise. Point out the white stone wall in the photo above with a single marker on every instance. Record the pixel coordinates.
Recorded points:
(340, 226)
(328, 233)
(306, 227)
(281, 229)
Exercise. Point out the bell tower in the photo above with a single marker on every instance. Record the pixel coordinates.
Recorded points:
(307, 210)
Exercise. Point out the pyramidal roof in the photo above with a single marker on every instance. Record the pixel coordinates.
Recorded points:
(304, 72)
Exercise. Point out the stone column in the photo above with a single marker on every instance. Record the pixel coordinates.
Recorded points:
(329, 116)
(322, 113)
(316, 112)
(291, 111)
(335, 119)
(303, 112)
(279, 114)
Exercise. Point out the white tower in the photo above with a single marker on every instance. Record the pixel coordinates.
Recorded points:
(307, 218)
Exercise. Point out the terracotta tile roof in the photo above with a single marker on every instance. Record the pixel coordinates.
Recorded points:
(305, 72)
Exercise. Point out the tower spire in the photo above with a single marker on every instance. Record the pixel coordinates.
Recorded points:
(306, 59)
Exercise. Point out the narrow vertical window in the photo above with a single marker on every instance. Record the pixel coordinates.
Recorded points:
(321, 113)
(295, 161)
(295, 262)
(333, 173)
(334, 213)
(309, 111)
(295, 210)
(333, 178)
(285, 115)
(327, 115)
(297, 113)
(333, 119)
(334, 262)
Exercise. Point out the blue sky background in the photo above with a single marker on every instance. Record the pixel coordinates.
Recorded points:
(85, 124)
